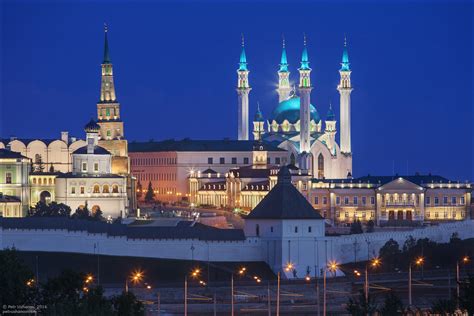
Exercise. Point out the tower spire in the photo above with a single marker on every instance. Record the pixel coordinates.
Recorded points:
(345, 57)
(345, 89)
(283, 75)
(304, 56)
(305, 95)
(243, 90)
(106, 46)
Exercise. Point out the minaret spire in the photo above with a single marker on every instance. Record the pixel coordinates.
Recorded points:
(243, 90)
(345, 89)
(305, 95)
(283, 75)
(106, 46)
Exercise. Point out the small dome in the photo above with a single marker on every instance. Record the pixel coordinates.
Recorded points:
(92, 127)
(290, 110)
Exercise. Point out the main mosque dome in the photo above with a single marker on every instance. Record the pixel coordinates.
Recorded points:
(290, 110)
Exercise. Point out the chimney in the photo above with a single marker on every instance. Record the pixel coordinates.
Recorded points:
(65, 137)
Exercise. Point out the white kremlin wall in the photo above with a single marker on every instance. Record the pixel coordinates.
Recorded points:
(339, 248)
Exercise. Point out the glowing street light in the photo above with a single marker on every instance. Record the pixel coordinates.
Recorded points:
(289, 266)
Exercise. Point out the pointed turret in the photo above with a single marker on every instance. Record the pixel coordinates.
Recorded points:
(330, 115)
(304, 57)
(284, 60)
(345, 57)
(106, 46)
(243, 90)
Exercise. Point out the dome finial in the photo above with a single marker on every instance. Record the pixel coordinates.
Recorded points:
(345, 57)
(106, 27)
(106, 45)
(243, 39)
(283, 39)
(304, 39)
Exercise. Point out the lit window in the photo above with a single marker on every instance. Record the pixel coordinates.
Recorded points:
(115, 189)
(73, 190)
(453, 200)
(105, 189)
(84, 166)
(96, 188)
(82, 190)
(462, 200)
(107, 112)
(8, 178)
(96, 166)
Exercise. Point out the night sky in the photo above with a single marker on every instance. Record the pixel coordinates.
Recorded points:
(175, 72)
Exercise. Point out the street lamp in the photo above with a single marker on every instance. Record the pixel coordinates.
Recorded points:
(464, 260)
(419, 262)
(374, 263)
(332, 266)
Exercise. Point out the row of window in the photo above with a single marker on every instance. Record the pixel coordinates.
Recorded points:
(245, 160)
(84, 167)
(154, 161)
(45, 181)
(96, 189)
(363, 214)
(348, 201)
(454, 200)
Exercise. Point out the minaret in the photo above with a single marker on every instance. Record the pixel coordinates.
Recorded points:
(305, 92)
(345, 90)
(331, 129)
(108, 109)
(258, 124)
(283, 77)
(243, 90)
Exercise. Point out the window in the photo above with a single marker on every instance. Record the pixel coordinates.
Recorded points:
(96, 166)
(372, 200)
(246, 160)
(428, 200)
(346, 214)
(73, 190)
(309, 229)
(109, 133)
(107, 112)
(436, 200)
(277, 160)
(325, 200)
(105, 189)
(84, 166)
(462, 200)
(453, 200)
(445, 200)
(96, 189)
(34, 180)
(316, 200)
(115, 189)
(210, 161)
(338, 200)
(364, 200)
(257, 230)
(234, 160)
(355, 200)
(346, 200)
(320, 166)
(8, 177)
(82, 190)
(296, 229)
(222, 160)
(271, 229)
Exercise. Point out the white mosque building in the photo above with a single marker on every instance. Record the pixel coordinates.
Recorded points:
(296, 125)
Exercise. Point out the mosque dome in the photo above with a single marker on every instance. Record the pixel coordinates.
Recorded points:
(290, 110)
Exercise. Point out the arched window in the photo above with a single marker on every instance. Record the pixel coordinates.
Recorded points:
(34, 180)
(50, 181)
(320, 166)
(115, 189)
(96, 189)
(105, 189)
(39, 181)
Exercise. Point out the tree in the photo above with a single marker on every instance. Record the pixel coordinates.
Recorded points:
(466, 295)
(94, 303)
(38, 165)
(97, 216)
(127, 304)
(150, 195)
(409, 244)
(443, 307)
(360, 306)
(52, 210)
(392, 305)
(454, 238)
(356, 227)
(61, 295)
(15, 278)
(51, 169)
(370, 226)
(82, 213)
(390, 249)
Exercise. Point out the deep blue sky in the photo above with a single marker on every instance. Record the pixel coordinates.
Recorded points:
(175, 76)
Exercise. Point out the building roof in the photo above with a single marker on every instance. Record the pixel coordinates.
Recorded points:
(88, 175)
(8, 154)
(195, 231)
(290, 110)
(9, 199)
(92, 127)
(252, 172)
(284, 201)
(257, 186)
(417, 179)
(188, 145)
(98, 150)
(214, 186)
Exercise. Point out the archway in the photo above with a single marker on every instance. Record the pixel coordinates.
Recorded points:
(45, 197)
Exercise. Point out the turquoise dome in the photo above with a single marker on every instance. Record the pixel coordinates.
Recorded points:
(290, 110)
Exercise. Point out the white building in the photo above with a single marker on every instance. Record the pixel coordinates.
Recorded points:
(296, 125)
(91, 181)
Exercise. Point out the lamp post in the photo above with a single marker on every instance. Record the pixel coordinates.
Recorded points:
(464, 260)
(332, 266)
(374, 263)
(419, 262)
